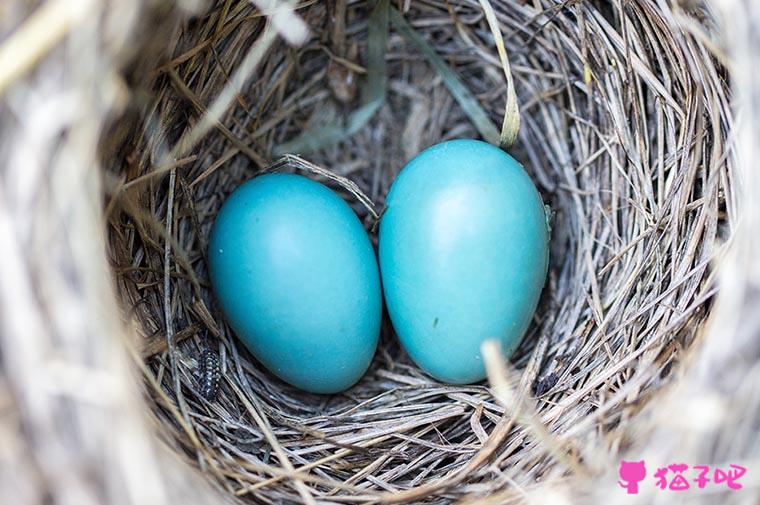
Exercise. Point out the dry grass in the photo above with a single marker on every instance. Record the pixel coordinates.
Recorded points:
(625, 126)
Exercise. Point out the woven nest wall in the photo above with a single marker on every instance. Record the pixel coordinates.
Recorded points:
(625, 125)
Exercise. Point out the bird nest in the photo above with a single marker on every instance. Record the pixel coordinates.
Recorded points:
(624, 127)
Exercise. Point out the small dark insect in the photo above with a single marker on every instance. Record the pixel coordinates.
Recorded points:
(209, 375)
(546, 383)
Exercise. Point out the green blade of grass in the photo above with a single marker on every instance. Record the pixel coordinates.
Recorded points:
(459, 91)
(373, 92)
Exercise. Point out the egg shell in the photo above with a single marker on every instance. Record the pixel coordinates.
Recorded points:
(463, 256)
(296, 276)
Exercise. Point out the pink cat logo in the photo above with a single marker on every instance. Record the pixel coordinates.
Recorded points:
(676, 476)
(632, 472)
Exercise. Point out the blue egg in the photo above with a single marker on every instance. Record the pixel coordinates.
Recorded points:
(463, 256)
(296, 276)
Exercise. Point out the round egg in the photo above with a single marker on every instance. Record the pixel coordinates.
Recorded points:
(296, 276)
(463, 256)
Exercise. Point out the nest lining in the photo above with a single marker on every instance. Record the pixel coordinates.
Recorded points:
(624, 120)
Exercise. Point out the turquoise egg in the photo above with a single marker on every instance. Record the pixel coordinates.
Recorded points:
(296, 276)
(463, 256)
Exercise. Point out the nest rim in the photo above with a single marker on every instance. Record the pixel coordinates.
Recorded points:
(563, 355)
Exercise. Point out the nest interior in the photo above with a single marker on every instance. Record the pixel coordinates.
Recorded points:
(624, 123)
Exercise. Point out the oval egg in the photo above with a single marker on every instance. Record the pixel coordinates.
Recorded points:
(463, 256)
(296, 276)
